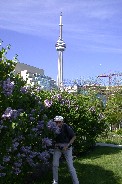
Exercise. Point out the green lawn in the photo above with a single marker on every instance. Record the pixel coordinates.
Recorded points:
(103, 165)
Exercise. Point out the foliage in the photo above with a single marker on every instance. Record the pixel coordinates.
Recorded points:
(113, 110)
(111, 137)
(82, 112)
(119, 131)
(24, 137)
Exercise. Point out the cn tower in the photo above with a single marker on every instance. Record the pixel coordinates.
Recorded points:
(60, 47)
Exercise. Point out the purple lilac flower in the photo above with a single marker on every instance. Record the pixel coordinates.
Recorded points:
(47, 103)
(33, 110)
(6, 159)
(62, 101)
(39, 127)
(17, 171)
(44, 156)
(26, 149)
(51, 151)
(51, 125)
(17, 164)
(2, 174)
(15, 145)
(57, 96)
(46, 141)
(23, 90)
(40, 124)
(10, 114)
(32, 118)
(30, 162)
(35, 129)
(19, 155)
(14, 114)
(23, 155)
(33, 154)
(8, 87)
(2, 127)
(1, 167)
(19, 138)
(1, 122)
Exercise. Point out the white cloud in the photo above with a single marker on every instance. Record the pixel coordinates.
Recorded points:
(94, 22)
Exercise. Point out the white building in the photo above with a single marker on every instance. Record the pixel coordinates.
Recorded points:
(35, 76)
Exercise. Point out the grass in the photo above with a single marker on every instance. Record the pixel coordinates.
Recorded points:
(103, 165)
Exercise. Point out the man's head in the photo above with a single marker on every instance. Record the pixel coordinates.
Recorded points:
(59, 120)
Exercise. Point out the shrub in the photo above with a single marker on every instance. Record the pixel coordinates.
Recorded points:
(83, 113)
(24, 135)
(119, 131)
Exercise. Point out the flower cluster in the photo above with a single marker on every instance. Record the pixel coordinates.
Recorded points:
(39, 127)
(57, 97)
(10, 114)
(51, 125)
(8, 87)
(24, 90)
(44, 156)
(46, 142)
(25, 156)
(47, 103)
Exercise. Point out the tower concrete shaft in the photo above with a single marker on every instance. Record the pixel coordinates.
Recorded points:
(60, 47)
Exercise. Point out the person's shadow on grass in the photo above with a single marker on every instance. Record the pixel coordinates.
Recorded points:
(89, 173)
(92, 174)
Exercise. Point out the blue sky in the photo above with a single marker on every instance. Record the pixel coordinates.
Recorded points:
(92, 31)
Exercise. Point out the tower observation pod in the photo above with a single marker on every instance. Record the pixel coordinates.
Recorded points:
(60, 47)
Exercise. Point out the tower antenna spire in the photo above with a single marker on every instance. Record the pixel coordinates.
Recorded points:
(61, 25)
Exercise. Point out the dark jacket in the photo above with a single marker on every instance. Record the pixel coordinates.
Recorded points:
(65, 135)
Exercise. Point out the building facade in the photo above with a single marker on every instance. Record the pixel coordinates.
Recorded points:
(35, 76)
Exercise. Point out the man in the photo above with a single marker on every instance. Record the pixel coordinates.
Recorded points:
(63, 144)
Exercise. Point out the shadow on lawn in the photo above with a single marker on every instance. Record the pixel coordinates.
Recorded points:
(100, 150)
(89, 174)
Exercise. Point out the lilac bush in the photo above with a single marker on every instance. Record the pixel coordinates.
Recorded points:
(25, 144)
(84, 113)
(24, 135)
